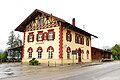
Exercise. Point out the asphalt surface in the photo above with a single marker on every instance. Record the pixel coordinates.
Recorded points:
(105, 71)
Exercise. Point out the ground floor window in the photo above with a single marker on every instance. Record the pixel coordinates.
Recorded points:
(68, 55)
(50, 51)
(39, 54)
(82, 52)
(39, 50)
(87, 54)
(68, 52)
(30, 50)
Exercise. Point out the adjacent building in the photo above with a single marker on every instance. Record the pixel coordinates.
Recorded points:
(99, 54)
(49, 38)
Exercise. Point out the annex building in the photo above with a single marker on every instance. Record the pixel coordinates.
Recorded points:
(49, 38)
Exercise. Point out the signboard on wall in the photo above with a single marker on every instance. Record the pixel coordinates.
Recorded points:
(74, 52)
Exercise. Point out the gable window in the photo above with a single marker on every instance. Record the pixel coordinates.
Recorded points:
(87, 41)
(42, 21)
(39, 50)
(31, 37)
(68, 36)
(87, 54)
(40, 36)
(50, 51)
(30, 50)
(68, 52)
(51, 34)
(39, 22)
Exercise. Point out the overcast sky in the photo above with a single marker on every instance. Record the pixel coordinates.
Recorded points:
(100, 17)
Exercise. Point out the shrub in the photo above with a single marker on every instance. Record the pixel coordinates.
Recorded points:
(33, 62)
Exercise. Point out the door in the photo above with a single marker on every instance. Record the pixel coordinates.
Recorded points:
(79, 55)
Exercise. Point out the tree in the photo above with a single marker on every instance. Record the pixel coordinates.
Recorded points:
(17, 41)
(14, 41)
(116, 51)
(11, 40)
(3, 56)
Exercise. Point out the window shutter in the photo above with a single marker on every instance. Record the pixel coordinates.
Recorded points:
(46, 36)
(42, 36)
(53, 35)
(37, 37)
(32, 38)
(70, 37)
(28, 38)
(82, 40)
(66, 36)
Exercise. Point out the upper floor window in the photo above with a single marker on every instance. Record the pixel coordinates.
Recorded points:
(87, 41)
(31, 37)
(51, 34)
(50, 51)
(40, 36)
(82, 40)
(45, 36)
(68, 36)
(77, 38)
(30, 50)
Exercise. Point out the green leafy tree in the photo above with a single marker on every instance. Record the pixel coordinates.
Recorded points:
(116, 51)
(18, 41)
(11, 40)
(3, 56)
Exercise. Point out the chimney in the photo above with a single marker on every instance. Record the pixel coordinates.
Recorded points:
(73, 21)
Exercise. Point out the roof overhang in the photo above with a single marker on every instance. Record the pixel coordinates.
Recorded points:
(31, 17)
(37, 12)
(74, 28)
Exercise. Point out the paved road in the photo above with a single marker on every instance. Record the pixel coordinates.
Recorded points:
(108, 71)
(105, 71)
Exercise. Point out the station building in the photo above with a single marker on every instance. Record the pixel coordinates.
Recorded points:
(49, 38)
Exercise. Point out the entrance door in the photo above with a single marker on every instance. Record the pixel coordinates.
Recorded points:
(79, 55)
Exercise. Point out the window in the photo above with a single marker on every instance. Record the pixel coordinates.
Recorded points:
(77, 38)
(51, 34)
(87, 54)
(45, 36)
(39, 50)
(40, 36)
(68, 52)
(50, 51)
(82, 52)
(94, 53)
(31, 37)
(38, 22)
(82, 40)
(68, 36)
(87, 41)
(30, 50)
(42, 21)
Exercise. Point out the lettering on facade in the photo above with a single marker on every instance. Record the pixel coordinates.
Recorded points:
(40, 43)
